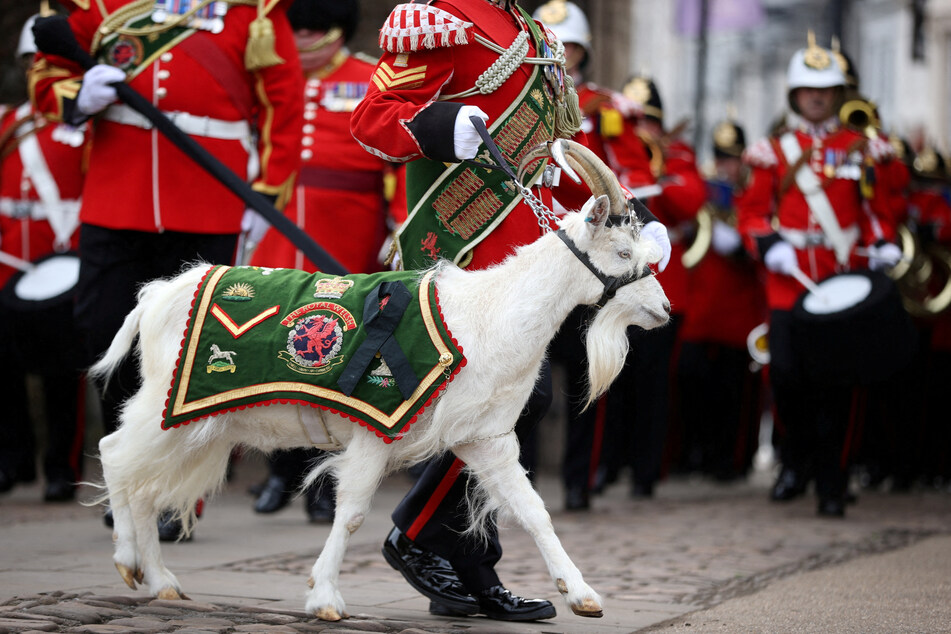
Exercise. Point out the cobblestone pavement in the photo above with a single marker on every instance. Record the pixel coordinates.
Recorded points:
(693, 547)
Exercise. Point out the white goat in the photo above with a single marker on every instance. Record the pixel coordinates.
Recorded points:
(518, 305)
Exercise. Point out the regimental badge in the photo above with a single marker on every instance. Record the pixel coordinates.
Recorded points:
(240, 292)
(815, 56)
(332, 288)
(382, 376)
(221, 360)
(314, 343)
(538, 97)
(315, 337)
(126, 52)
(638, 90)
(724, 135)
(553, 12)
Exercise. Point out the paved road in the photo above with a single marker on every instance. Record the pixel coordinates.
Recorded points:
(699, 557)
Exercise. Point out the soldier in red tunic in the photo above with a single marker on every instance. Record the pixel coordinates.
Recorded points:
(147, 208)
(443, 62)
(821, 183)
(339, 197)
(720, 401)
(654, 159)
(40, 184)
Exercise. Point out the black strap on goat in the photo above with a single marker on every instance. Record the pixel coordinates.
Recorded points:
(494, 152)
(611, 283)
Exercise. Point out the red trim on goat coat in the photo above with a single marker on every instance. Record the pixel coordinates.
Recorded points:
(386, 439)
(438, 495)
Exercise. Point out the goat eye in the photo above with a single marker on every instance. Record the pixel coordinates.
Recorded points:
(624, 255)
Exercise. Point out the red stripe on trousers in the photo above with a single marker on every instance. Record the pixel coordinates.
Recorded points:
(438, 496)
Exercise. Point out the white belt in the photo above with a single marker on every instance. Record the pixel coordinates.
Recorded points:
(804, 239)
(35, 209)
(184, 121)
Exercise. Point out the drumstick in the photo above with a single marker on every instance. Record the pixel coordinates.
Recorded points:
(15, 262)
(811, 286)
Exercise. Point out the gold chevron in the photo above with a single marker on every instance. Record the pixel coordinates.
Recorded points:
(385, 77)
(238, 330)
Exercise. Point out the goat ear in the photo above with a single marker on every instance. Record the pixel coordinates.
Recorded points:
(598, 213)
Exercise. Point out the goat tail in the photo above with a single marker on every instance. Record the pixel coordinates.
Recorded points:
(607, 345)
(120, 346)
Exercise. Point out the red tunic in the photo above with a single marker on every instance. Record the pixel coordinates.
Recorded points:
(22, 236)
(726, 300)
(137, 179)
(407, 83)
(838, 157)
(338, 198)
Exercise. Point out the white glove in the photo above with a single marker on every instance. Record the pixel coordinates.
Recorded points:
(781, 258)
(465, 139)
(96, 93)
(883, 257)
(725, 239)
(254, 226)
(657, 232)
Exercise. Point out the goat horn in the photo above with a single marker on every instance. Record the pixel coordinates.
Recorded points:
(540, 151)
(596, 175)
(558, 153)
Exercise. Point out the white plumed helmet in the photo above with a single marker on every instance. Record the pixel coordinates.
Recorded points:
(566, 20)
(813, 67)
(27, 45)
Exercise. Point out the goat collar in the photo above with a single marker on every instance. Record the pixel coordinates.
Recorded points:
(611, 282)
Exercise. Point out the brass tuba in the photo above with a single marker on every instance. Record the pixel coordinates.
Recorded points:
(860, 114)
(924, 279)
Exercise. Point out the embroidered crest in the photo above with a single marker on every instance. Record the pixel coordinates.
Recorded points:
(332, 288)
(241, 292)
(126, 52)
(221, 360)
(382, 376)
(412, 26)
(313, 345)
(429, 245)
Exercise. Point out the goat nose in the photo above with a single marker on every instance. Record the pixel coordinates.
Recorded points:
(667, 306)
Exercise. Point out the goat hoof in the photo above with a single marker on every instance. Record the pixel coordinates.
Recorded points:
(328, 614)
(139, 575)
(310, 582)
(562, 586)
(128, 576)
(169, 594)
(588, 607)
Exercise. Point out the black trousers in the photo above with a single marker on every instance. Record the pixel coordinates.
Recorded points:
(816, 417)
(41, 342)
(113, 265)
(639, 404)
(719, 409)
(434, 513)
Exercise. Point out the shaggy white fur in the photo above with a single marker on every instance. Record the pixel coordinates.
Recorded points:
(522, 301)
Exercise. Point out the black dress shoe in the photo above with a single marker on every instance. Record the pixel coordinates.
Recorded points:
(789, 485)
(275, 495)
(170, 528)
(831, 507)
(428, 573)
(320, 504)
(577, 499)
(59, 490)
(499, 604)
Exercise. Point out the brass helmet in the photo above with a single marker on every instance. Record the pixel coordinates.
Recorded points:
(567, 21)
(812, 67)
(729, 139)
(928, 164)
(641, 90)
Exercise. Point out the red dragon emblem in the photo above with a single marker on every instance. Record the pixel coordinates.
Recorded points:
(315, 340)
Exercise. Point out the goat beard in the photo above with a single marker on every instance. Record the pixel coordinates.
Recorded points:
(607, 346)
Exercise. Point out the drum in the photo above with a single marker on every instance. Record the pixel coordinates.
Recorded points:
(38, 313)
(853, 329)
